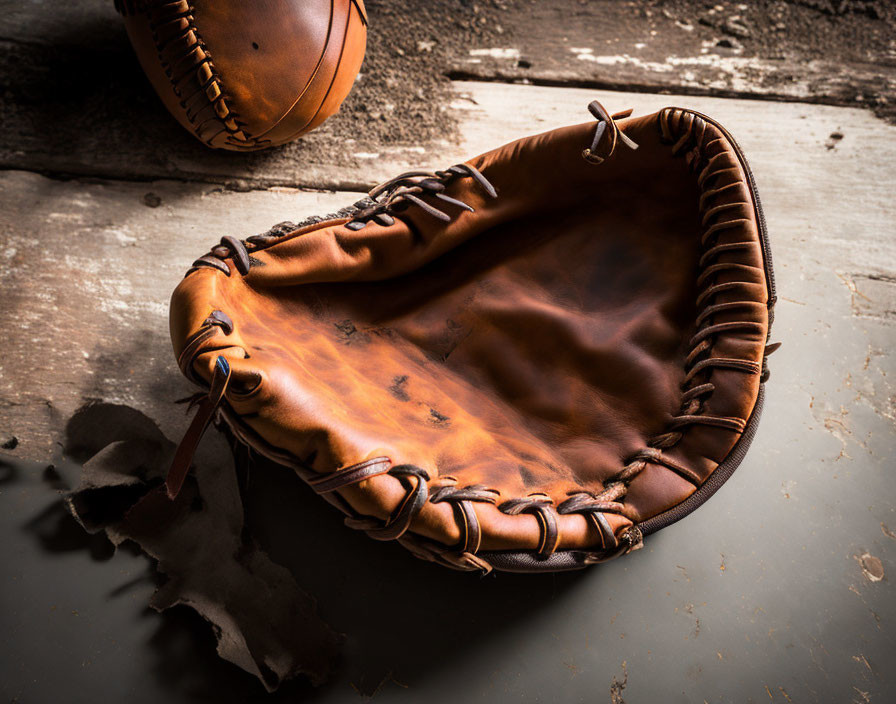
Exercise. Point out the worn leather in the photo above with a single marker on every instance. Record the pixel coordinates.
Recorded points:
(248, 75)
(537, 348)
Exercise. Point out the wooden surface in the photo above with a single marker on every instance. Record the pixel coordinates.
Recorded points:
(75, 102)
(667, 48)
(88, 266)
(487, 114)
(86, 272)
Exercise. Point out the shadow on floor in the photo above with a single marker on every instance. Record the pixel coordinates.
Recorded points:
(404, 620)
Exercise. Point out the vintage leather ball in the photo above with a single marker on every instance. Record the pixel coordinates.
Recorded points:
(248, 75)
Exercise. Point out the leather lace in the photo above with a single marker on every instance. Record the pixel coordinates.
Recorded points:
(229, 247)
(715, 220)
(606, 128)
(183, 456)
(393, 196)
(406, 189)
(691, 141)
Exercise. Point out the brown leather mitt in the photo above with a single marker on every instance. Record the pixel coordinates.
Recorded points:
(247, 75)
(525, 362)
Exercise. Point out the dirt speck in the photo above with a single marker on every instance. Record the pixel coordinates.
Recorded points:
(346, 327)
(833, 140)
(617, 687)
(863, 660)
(11, 444)
(866, 696)
(349, 334)
(887, 532)
(52, 477)
(151, 200)
(872, 567)
(689, 608)
(786, 488)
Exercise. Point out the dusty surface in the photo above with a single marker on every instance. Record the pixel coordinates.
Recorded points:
(86, 270)
(839, 52)
(74, 100)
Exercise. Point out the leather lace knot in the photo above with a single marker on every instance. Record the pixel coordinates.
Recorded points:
(406, 189)
(606, 128)
(228, 247)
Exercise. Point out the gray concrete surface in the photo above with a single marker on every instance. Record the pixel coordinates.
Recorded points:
(779, 589)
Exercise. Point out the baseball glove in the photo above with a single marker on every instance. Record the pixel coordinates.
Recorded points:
(245, 75)
(525, 362)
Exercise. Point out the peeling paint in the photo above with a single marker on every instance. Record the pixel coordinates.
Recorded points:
(496, 53)
(742, 74)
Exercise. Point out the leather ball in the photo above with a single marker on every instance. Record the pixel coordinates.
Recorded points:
(248, 75)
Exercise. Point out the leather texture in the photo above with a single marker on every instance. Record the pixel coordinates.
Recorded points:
(248, 75)
(511, 363)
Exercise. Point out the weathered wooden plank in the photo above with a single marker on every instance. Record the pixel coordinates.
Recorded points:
(783, 50)
(87, 267)
(487, 114)
(86, 271)
(75, 101)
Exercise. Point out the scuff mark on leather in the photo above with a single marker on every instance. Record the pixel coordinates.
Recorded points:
(527, 476)
(399, 388)
(439, 418)
(349, 334)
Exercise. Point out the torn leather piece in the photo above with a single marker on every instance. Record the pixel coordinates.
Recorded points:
(263, 621)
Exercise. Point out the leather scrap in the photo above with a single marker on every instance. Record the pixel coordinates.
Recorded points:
(264, 623)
